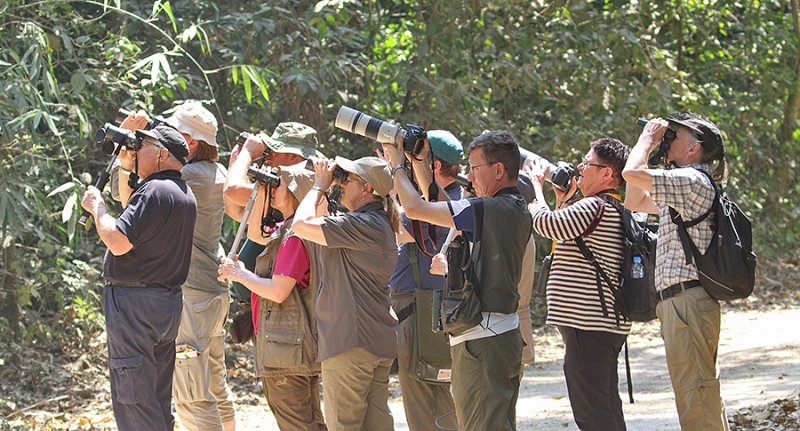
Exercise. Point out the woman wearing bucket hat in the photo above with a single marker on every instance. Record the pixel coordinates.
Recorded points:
(284, 287)
(357, 340)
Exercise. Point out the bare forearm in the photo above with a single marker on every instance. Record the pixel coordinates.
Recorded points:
(106, 226)
(238, 188)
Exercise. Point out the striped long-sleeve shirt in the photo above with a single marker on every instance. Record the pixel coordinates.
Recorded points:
(572, 296)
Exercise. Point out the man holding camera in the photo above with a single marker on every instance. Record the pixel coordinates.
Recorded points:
(593, 335)
(425, 402)
(690, 318)
(486, 357)
(149, 250)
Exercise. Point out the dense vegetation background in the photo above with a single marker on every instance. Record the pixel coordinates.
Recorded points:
(556, 73)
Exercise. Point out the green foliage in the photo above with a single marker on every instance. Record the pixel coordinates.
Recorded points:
(556, 74)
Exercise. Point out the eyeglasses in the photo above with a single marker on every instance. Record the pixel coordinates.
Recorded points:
(584, 162)
(353, 177)
(473, 167)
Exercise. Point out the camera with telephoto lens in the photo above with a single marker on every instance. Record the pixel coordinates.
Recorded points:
(378, 130)
(261, 176)
(109, 136)
(559, 175)
(663, 147)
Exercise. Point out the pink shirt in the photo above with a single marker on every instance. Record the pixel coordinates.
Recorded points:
(292, 261)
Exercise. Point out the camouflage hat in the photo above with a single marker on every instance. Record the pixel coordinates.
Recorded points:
(445, 146)
(298, 179)
(373, 170)
(293, 138)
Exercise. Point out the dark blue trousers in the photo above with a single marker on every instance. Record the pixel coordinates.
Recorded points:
(141, 325)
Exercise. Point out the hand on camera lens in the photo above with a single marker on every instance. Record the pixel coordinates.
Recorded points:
(137, 120)
(394, 153)
(423, 154)
(536, 169)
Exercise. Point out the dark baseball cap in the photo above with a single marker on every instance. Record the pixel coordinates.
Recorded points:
(168, 138)
(705, 131)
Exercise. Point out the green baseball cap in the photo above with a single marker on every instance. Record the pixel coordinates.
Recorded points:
(445, 146)
(293, 138)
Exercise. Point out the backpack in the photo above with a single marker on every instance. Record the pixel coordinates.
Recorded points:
(635, 298)
(727, 269)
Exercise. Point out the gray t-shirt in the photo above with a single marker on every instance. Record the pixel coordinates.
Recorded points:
(353, 302)
(206, 180)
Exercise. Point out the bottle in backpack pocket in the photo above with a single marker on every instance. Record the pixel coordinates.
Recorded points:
(637, 268)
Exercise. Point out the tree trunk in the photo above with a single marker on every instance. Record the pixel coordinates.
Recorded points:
(9, 295)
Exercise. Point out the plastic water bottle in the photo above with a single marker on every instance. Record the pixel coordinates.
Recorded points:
(637, 269)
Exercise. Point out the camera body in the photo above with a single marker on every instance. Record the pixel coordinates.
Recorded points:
(559, 175)
(663, 147)
(357, 122)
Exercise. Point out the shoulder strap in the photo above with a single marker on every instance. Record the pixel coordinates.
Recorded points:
(689, 247)
(414, 261)
(588, 255)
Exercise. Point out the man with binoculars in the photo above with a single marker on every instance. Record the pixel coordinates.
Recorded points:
(487, 356)
(149, 249)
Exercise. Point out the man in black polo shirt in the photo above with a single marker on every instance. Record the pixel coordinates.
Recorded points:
(149, 247)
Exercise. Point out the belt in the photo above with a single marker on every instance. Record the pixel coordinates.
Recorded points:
(116, 284)
(676, 289)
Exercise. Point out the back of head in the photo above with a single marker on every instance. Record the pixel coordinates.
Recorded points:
(613, 153)
(499, 146)
(447, 149)
(198, 122)
(710, 139)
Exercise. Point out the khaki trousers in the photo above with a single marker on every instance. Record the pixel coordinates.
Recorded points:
(485, 382)
(202, 398)
(294, 401)
(690, 324)
(424, 403)
(355, 392)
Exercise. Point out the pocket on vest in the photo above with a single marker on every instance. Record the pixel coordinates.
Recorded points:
(280, 349)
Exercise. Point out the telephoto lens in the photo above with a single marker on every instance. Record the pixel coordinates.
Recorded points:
(357, 122)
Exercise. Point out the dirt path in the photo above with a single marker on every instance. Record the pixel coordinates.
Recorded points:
(759, 362)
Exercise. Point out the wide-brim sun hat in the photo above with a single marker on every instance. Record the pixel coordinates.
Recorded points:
(196, 121)
(293, 138)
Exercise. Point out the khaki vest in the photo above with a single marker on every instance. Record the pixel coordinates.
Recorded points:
(286, 341)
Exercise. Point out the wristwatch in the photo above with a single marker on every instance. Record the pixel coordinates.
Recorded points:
(318, 188)
(397, 167)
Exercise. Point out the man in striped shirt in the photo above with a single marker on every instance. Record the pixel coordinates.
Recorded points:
(593, 336)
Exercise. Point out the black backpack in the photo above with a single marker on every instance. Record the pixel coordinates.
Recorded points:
(727, 269)
(635, 298)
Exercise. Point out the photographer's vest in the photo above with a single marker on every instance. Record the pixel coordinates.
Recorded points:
(286, 339)
(498, 249)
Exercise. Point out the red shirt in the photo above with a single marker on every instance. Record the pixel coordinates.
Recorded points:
(292, 261)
